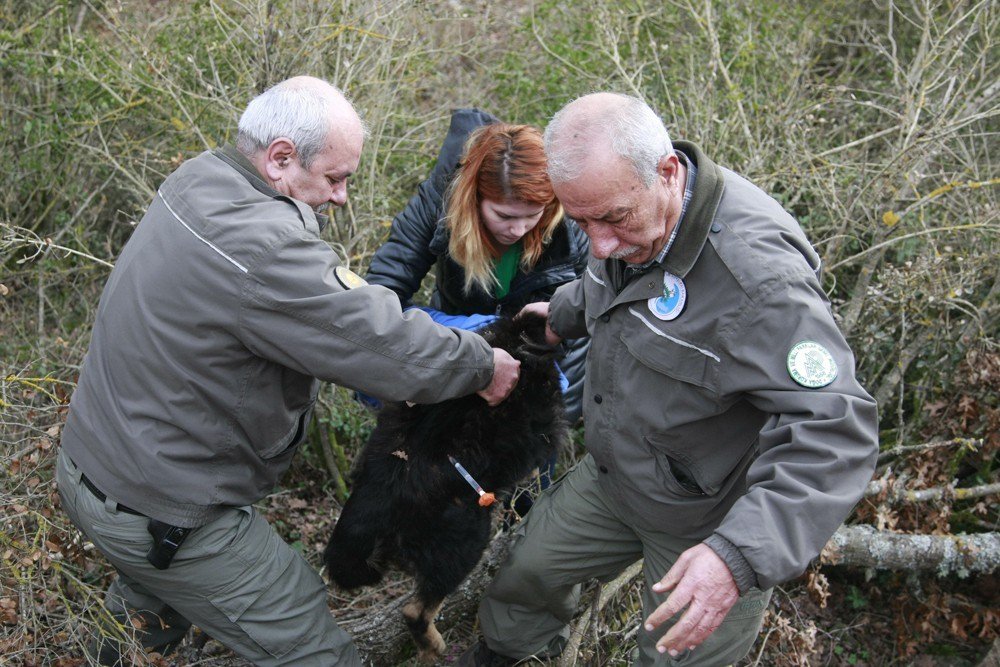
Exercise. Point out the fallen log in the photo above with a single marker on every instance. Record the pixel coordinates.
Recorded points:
(864, 546)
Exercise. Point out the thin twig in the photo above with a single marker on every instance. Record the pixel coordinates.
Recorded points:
(569, 654)
(973, 444)
(934, 493)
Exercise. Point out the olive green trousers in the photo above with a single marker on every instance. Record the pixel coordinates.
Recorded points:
(572, 534)
(234, 577)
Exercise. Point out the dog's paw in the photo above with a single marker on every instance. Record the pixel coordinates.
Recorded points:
(428, 655)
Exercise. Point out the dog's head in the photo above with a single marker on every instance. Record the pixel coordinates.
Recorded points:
(523, 337)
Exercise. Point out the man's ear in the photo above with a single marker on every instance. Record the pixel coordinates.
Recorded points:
(277, 157)
(668, 167)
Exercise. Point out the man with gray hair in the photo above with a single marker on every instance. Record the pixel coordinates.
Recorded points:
(727, 435)
(221, 316)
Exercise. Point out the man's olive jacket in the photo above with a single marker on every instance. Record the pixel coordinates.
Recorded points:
(222, 311)
(696, 423)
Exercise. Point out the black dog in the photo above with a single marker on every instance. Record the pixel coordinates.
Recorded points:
(412, 508)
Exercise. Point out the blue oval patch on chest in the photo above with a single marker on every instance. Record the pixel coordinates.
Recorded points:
(671, 304)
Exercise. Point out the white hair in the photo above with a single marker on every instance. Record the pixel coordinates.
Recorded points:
(632, 129)
(302, 110)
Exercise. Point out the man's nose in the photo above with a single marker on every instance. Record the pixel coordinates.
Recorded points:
(602, 244)
(338, 196)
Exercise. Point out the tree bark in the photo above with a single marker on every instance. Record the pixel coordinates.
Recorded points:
(864, 546)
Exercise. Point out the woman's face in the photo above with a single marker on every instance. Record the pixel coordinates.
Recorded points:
(508, 221)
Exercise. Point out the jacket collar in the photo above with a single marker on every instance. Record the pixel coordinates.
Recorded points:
(701, 209)
(246, 168)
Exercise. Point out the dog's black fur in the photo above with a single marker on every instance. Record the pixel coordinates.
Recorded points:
(410, 507)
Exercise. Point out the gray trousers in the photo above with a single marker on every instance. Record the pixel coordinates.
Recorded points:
(234, 577)
(575, 533)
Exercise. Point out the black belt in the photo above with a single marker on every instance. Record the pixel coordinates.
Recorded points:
(102, 497)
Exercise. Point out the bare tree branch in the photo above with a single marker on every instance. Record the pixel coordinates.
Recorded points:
(973, 444)
(569, 654)
(897, 496)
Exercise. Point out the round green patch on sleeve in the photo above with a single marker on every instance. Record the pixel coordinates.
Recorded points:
(811, 365)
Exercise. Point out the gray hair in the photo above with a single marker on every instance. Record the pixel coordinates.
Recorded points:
(632, 128)
(300, 110)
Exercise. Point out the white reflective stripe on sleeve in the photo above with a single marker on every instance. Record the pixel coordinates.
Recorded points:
(199, 237)
(595, 278)
(710, 355)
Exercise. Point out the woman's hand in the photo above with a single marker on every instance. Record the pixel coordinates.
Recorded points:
(542, 308)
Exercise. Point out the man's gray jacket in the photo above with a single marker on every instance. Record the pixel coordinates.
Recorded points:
(696, 422)
(221, 313)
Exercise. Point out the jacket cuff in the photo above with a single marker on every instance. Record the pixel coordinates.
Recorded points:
(740, 568)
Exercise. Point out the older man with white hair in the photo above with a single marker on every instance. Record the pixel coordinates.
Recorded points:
(222, 314)
(727, 435)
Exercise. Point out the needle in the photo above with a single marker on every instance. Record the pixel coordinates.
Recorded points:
(485, 498)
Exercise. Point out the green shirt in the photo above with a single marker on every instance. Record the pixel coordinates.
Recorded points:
(505, 269)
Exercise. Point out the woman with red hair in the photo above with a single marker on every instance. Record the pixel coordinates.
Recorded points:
(488, 221)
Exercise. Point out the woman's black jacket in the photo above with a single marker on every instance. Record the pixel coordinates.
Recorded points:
(419, 239)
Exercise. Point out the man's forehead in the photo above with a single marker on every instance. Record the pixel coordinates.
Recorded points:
(349, 135)
(581, 199)
(342, 150)
(607, 185)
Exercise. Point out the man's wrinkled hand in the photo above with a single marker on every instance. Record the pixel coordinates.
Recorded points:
(506, 371)
(702, 582)
(542, 308)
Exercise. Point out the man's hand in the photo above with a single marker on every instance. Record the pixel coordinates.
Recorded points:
(506, 370)
(702, 582)
(542, 308)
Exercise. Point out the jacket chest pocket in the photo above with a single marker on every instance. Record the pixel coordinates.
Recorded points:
(668, 354)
